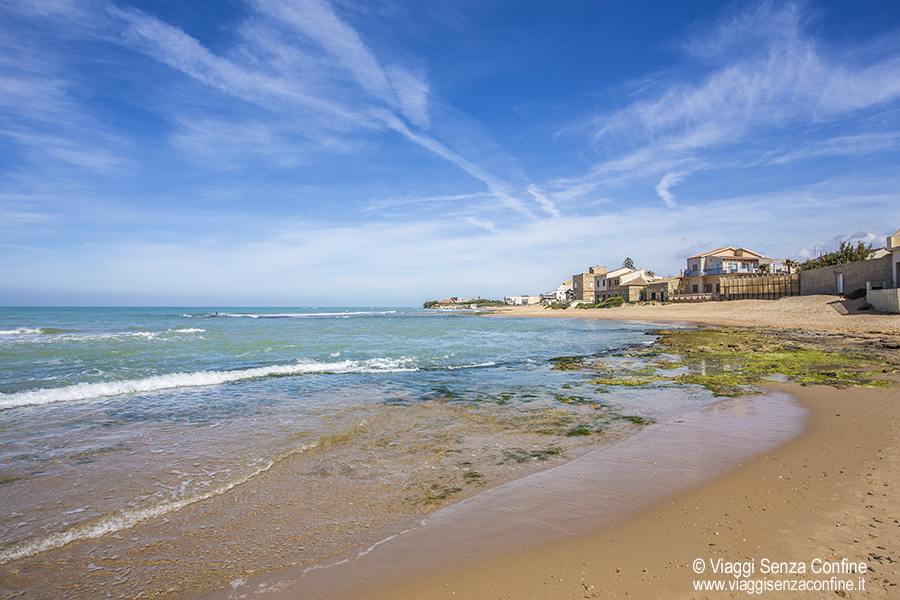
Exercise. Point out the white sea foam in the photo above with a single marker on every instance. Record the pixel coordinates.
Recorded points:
(366, 313)
(20, 331)
(88, 391)
(472, 366)
(188, 330)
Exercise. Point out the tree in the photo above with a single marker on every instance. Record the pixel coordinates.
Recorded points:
(628, 263)
(847, 253)
(790, 264)
(764, 269)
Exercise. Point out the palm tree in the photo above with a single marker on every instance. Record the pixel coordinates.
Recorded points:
(790, 264)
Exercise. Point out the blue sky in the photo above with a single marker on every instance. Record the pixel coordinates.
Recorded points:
(384, 152)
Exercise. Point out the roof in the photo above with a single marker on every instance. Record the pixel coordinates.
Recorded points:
(635, 281)
(618, 272)
(720, 250)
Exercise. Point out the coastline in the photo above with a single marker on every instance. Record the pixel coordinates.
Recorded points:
(576, 499)
(813, 313)
(826, 494)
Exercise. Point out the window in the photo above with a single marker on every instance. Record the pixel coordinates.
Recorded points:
(696, 288)
(653, 295)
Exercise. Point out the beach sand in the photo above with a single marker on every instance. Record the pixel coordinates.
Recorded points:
(829, 494)
(813, 313)
(826, 495)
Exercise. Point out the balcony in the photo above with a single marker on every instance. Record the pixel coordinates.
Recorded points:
(718, 270)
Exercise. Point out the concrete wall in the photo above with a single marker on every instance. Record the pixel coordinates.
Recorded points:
(896, 268)
(855, 276)
(884, 300)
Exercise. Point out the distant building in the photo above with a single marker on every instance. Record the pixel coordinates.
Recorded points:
(661, 290)
(888, 300)
(561, 294)
(622, 283)
(522, 300)
(583, 284)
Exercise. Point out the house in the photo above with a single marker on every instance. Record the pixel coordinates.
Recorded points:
(600, 284)
(583, 284)
(522, 300)
(662, 289)
(888, 300)
(704, 270)
(625, 283)
(561, 294)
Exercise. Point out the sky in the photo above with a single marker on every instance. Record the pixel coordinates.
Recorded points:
(389, 152)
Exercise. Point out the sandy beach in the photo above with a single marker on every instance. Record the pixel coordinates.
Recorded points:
(813, 313)
(828, 495)
(822, 506)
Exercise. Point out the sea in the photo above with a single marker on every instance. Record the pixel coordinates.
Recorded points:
(159, 452)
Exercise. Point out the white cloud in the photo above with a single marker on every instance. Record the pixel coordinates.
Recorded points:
(662, 188)
(412, 92)
(482, 224)
(317, 20)
(546, 204)
(764, 75)
(280, 89)
(845, 145)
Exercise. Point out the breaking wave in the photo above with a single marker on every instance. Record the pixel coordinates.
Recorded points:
(316, 315)
(88, 391)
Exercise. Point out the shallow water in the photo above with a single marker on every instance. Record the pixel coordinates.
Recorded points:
(161, 451)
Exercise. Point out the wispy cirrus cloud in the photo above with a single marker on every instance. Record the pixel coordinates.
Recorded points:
(764, 75)
(42, 115)
(398, 99)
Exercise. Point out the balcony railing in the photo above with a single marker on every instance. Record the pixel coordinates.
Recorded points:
(719, 271)
(693, 297)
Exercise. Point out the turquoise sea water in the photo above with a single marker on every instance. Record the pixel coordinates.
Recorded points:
(219, 442)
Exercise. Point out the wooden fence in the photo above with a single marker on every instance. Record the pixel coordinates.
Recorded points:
(759, 287)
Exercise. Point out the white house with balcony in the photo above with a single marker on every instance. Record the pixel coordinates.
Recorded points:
(704, 270)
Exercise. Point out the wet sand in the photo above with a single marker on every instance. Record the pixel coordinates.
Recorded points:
(580, 498)
(829, 494)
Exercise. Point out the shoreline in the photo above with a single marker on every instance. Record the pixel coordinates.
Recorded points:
(814, 313)
(824, 508)
(828, 494)
(548, 507)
